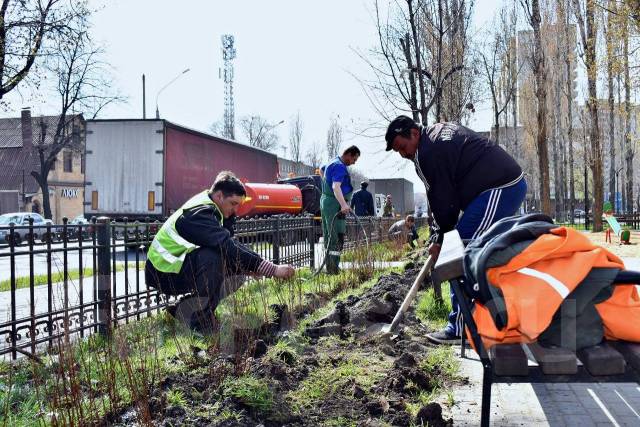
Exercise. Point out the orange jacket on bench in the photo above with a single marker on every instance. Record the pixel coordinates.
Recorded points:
(535, 282)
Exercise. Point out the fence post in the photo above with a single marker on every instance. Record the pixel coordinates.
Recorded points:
(104, 276)
(312, 242)
(276, 242)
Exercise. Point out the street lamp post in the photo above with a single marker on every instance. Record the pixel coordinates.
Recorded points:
(266, 130)
(167, 85)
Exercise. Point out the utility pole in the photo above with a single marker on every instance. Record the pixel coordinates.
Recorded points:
(144, 99)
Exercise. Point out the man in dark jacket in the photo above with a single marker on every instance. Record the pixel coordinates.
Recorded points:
(194, 253)
(462, 172)
(362, 201)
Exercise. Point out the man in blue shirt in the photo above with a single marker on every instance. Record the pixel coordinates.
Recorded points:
(336, 192)
(362, 201)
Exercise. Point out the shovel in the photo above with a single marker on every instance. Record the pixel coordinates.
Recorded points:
(386, 328)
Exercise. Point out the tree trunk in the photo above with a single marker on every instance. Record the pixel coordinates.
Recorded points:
(596, 150)
(439, 64)
(46, 201)
(558, 146)
(556, 177)
(627, 109)
(413, 96)
(612, 126)
(541, 95)
(414, 31)
(568, 36)
(496, 117)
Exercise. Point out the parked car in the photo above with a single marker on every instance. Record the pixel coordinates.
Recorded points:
(21, 219)
(74, 230)
(578, 213)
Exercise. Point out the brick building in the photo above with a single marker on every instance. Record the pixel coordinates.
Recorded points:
(19, 190)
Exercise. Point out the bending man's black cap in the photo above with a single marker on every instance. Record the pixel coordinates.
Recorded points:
(397, 126)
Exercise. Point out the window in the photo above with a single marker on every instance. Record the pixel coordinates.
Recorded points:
(81, 164)
(67, 157)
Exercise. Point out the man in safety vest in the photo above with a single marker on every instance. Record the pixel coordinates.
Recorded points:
(462, 172)
(194, 253)
(334, 204)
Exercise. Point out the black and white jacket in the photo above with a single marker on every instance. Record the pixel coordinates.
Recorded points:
(456, 164)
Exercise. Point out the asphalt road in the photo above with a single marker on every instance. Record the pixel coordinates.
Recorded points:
(40, 260)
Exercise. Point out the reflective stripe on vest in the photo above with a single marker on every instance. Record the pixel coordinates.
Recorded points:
(168, 249)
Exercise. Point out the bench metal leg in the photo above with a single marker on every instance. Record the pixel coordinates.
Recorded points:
(463, 346)
(487, 377)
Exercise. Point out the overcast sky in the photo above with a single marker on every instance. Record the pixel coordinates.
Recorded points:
(291, 55)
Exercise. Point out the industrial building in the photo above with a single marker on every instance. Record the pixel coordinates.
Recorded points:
(400, 189)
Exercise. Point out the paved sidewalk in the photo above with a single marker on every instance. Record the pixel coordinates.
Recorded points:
(554, 404)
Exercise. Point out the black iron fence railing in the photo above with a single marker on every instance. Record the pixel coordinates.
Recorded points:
(63, 282)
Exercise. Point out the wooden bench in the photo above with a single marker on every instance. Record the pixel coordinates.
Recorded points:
(509, 363)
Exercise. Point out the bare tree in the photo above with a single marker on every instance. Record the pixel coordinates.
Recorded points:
(217, 128)
(334, 137)
(295, 137)
(314, 155)
(30, 29)
(584, 11)
(421, 60)
(259, 132)
(630, 147)
(532, 12)
(610, 36)
(567, 36)
(83, 83)
(497, 63)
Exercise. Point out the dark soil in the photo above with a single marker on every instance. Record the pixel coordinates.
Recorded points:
(338, 376)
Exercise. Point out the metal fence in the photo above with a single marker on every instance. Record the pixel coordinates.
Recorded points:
(69, 281)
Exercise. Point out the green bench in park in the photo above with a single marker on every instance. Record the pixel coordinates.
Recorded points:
(532, 363)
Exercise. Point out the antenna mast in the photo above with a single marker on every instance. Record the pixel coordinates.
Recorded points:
(228, 55)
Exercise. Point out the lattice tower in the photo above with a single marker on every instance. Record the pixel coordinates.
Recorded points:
(228, 55)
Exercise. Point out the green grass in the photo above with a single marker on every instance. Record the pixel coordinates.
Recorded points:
(433, 311)
(249, 390)
(386, 251)
(57, 277)
(107, 375)
(176, 398)
(442, 366)
(330, 380)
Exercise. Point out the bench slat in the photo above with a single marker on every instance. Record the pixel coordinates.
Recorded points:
(509, 360)
(554, 361)
(602, 359)
(630, 351)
